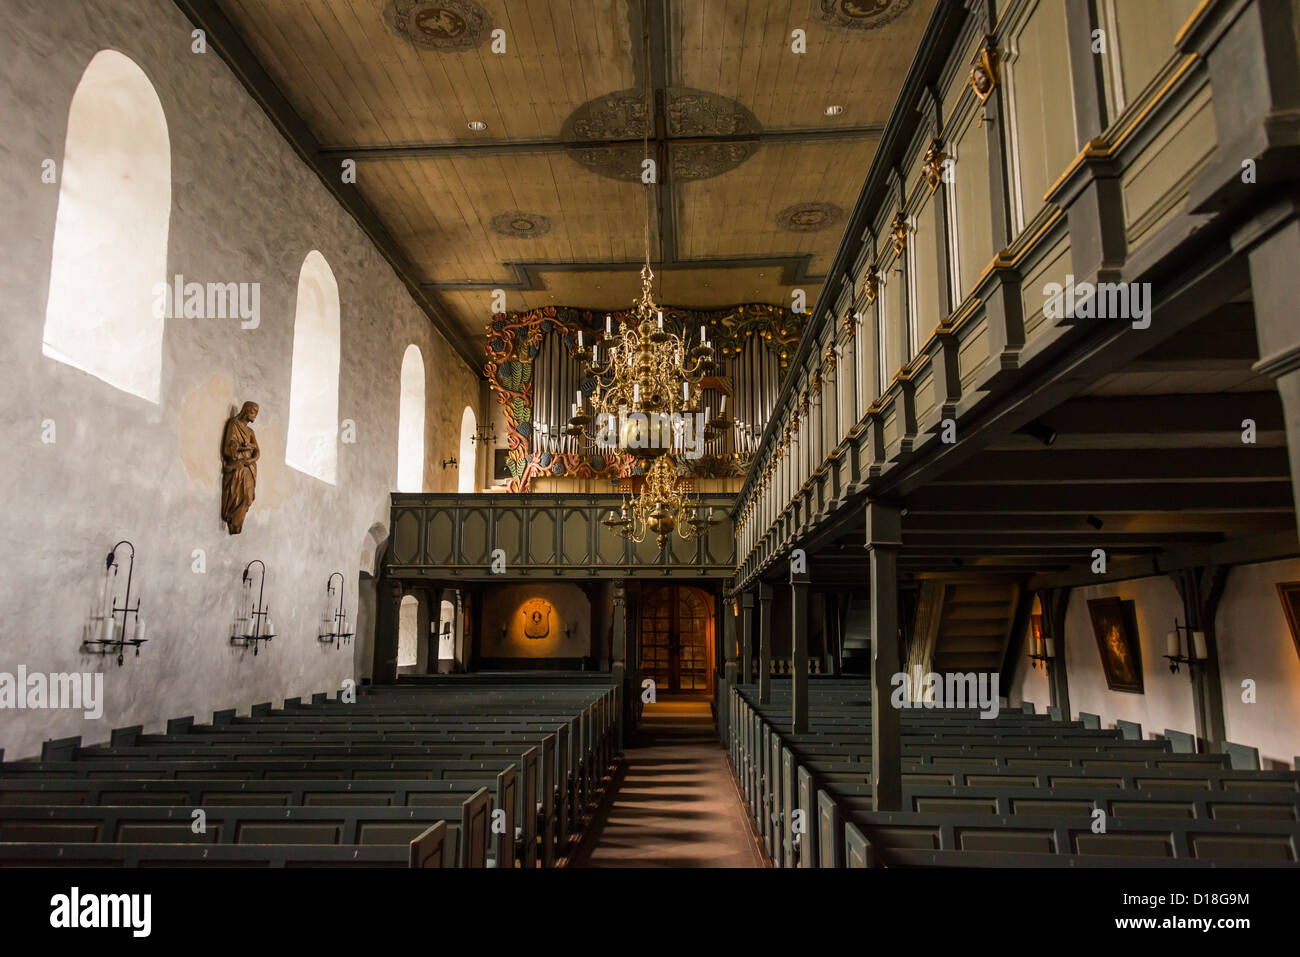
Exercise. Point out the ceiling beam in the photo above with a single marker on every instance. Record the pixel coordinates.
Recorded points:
(1268, 496)
(528, 275)
(1243, 550)
(1097, 466)
(1141, 414)
(379, 154)
(225, 39)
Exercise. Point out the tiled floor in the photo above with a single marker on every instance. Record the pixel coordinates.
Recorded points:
(675, 803)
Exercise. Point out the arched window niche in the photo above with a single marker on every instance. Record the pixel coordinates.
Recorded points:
(312, 446)
(109, 256)
(466, 458)
(410, 423)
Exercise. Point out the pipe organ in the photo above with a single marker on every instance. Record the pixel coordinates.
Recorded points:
(746, 391)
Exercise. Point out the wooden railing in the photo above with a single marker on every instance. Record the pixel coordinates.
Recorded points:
(910, 338)
(483, 536)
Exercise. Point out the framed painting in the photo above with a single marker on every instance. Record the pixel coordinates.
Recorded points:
(1117, 642)
(1289, 592)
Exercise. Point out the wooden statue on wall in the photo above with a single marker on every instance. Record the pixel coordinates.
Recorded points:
(239, 455)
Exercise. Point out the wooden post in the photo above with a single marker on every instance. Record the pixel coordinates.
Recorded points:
(1201, 589)
(746, 636)
(764, 643)
(729, 666)
(1053, 603)
(884, 539)
(618, 655)
(799, 582)
(386, 633)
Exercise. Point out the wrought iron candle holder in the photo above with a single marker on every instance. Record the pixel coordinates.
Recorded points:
(1043, 649)
(105, 637)
(256, 627)
(1196, 650)
(335, 623)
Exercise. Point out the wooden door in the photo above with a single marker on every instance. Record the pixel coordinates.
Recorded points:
(677, 639)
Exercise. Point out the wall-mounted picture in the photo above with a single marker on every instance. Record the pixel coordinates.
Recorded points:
(1115, 626)
(1289, 592)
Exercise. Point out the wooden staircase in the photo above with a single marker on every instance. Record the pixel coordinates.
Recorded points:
(974, 626)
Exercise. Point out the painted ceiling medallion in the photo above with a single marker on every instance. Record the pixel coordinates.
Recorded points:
(444, 25)
(809, 217)
(861, 14)
(687, 112)
(520, 225)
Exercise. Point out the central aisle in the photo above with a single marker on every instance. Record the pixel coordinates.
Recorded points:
(675, 803)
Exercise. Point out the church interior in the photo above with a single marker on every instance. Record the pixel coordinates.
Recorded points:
(813, 434)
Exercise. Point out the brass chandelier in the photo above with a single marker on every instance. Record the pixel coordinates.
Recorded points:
(661, 508)
(646, 402)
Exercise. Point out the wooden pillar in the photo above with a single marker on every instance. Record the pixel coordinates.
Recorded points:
(1053, 603)
(764, 643)
(746, 636)
(1201, 589)
(799, 582)
(884, 539)
(830, 631)
(728, 667)
(618, 656)
(386, 631)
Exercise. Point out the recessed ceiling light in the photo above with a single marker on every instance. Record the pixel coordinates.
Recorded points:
(834, 110)
(478, 126)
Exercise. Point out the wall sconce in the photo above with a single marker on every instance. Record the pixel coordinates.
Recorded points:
(104, 637)
(254, 627)
(1041, 649)
(484, 433)
(334, 624)
(450, 463)
(1195, 645)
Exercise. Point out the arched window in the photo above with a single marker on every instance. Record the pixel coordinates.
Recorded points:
(467, 448)
(447, 632)
(410, 423)
(109, 260)
(408, 632)
(314, 383)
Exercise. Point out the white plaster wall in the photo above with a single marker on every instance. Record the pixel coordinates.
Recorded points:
(1255, 643)
(1167, 698)
(245, 209)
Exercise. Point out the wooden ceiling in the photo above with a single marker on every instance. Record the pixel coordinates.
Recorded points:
(754, 179)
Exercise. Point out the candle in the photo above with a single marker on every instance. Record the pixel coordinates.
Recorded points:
(1198, 640)
(708, 413)
(701, 333)
(579, 395)
(686, 391)
(1171, 644)
(106, 597)
(137, 633)
(661, 320)
(594, 347)
(106, 629)
(636, 391)
(270, 628)
(609, 325)
(723, 410)
(579, 338)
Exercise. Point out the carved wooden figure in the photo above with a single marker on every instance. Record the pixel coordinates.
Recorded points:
(239, 455)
